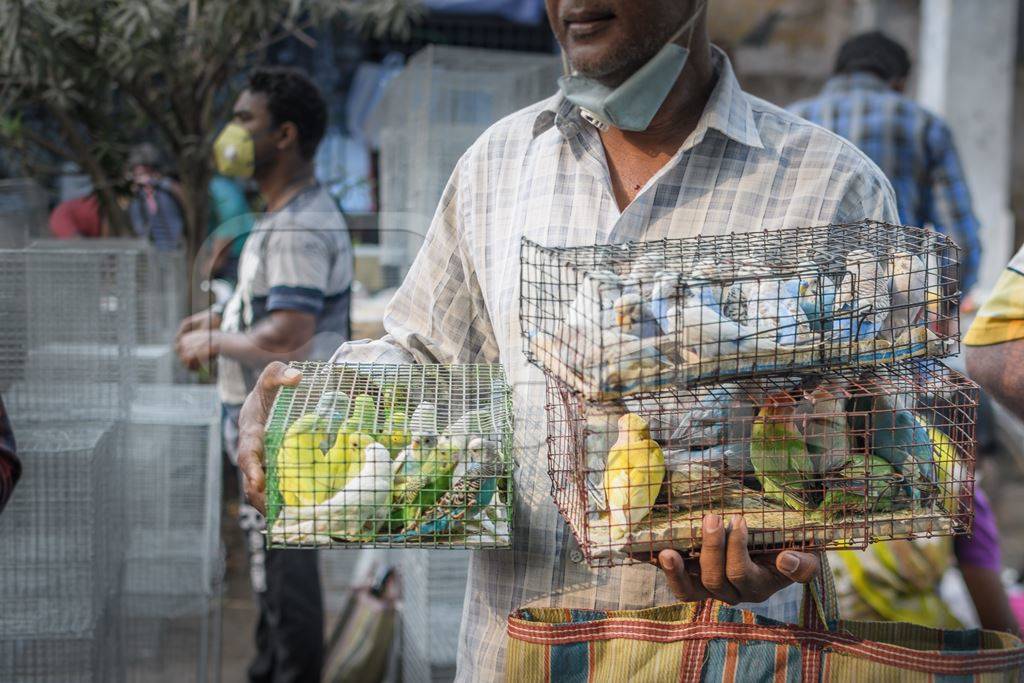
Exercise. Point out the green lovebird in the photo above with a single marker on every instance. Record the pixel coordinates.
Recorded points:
(866, 484)
(778, 452)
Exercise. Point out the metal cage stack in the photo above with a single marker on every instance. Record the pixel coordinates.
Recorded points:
(433, 589)
(60, 568)
(391, 456)
(429, 116)
(173, 570)
(611, 320)
(788, 377)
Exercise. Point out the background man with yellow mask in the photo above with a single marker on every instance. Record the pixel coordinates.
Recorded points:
(291, 302)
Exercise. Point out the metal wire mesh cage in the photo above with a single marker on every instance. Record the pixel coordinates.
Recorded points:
(610, 320)
(391, 455)
(836, 460)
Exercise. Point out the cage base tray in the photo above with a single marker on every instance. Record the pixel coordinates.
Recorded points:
(771, 530)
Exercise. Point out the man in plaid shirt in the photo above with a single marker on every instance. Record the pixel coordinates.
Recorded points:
(864, 103)
(710, 160)
(10, 466)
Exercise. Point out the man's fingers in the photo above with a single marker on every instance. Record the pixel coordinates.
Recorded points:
(752, 582)
(679, 580)
(274, 376)
(712, 560)
(799, 567)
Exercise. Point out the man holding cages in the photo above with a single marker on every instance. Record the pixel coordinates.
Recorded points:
(622, 153)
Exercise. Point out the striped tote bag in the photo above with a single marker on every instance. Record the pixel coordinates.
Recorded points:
(710, 641)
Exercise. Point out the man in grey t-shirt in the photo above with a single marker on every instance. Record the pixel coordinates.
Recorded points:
(291, 302)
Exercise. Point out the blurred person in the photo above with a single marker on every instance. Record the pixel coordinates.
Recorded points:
(231, 221)
(672, 149)
(155, 207)
(77, 218)
(10, 466)
(291, 302)
(864, 103)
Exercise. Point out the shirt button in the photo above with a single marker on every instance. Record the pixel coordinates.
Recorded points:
(576, 555)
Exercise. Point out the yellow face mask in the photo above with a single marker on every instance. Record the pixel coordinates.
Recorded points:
(235, 152)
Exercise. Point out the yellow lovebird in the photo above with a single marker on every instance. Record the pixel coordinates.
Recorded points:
(633, 476)
(299, 462)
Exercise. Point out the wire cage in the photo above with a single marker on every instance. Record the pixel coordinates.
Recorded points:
(163, 649)
(836, 460)
(433, 590)
(62, 554)
(610, 320)
(391, 455)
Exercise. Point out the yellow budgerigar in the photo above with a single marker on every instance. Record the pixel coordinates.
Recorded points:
(633, 475)
(345, 458)
(299, 459)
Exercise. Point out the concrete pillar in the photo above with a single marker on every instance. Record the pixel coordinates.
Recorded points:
(965, 74)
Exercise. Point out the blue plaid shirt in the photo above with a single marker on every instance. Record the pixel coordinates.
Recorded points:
(915, 150)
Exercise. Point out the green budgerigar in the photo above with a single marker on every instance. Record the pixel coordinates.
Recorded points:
(395, 432)
(362, 416)
(781, 458)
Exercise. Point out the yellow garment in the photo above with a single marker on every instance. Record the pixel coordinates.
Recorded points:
(895, 581)
(1001, 318)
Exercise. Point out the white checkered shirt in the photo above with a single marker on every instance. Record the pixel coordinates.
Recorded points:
(541, 173)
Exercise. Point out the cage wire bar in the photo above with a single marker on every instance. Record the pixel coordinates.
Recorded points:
(67, 348)
(835, 460)
(391, 456)
(429, 115)
(433, 590)
(610, 320)
(59, 571)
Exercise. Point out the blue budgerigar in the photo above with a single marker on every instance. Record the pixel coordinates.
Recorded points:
(776, 306)
(817, 296)
(467, 497)
(863, 302)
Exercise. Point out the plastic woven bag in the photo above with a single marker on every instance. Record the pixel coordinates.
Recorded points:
(710, 641)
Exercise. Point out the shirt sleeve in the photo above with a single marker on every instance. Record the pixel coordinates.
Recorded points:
(1001, 318)
(438, 313)
(10, 466)
(981, 549)
(950, 209)
(298, 269)
(868, 195)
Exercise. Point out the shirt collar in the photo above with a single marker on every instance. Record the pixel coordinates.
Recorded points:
(728, 111)
(858, 80)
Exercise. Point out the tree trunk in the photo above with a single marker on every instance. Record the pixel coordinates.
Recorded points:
(195, 189)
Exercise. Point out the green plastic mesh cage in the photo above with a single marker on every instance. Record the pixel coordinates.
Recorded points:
(389, 456)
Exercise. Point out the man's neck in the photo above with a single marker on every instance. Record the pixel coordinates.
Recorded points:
(283, 182)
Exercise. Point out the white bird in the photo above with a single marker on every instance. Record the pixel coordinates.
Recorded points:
(908, 290)
(699, 324)
(634, 316)
(359, 508)
(423, 428)
(862, 297)
(776, 308)
(591, 310)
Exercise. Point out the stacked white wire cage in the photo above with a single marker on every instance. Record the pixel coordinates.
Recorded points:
(428, 117)
(788, 377)
(433, 590)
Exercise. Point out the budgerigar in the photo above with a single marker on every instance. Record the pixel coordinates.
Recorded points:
(591, 310)
(423, 427)
(779, 454)
(354, 513)
(633, 475)
(817, 296)
(417, 500)
(362, 416)
(862, 301)
(699, 324)
(392, 421)
(865, 485)
(776, 307)
(304, 475)
(908, 290)
(469, 495)
(344, 460)
(633, 316)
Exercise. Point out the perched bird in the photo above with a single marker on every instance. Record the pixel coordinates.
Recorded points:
(698, 323)
(344, 460)
(743, 290)
(633, 475)
(354, 512)
(778, 452)
(866, 484)
(862, 301)
(395, 433)
(908, 290)
(591, 309)
(468, 496)
(663, 296)
(776, 307)
(817, 294)
(304, 475)
(362, 417)
(423, 427)
(703, 421)
(633, 316)
(902, 441)
(822, 419)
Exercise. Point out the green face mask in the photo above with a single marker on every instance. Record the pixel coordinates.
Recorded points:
(633, 104)
(235, 152)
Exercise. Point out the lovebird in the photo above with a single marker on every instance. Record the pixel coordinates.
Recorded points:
(304, 476)
(901, 440)
(822, 419)
(468, 496)
(778, 452)
(633, 475)
(854, 493)
(353, 513)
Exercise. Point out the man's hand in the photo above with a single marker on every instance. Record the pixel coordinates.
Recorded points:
(726, 571)
(197, 348)
(203, 320)
(252, 422)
